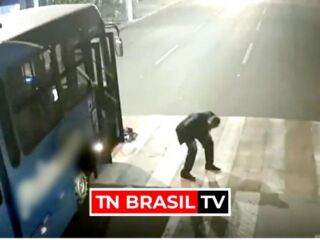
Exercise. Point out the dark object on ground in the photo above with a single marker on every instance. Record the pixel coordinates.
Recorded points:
(129, 135)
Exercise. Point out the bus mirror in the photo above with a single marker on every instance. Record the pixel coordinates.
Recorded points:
(118, 45)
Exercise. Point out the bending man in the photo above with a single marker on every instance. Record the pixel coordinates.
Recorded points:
(197, 126)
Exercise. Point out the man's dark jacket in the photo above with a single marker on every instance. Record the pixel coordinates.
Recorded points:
(195, 126)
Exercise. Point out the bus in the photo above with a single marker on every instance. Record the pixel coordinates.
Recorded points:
(60, 114)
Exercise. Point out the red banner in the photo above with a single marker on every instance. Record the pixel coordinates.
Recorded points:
(158, 201)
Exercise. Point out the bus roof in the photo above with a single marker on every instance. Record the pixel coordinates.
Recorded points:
(20, 22)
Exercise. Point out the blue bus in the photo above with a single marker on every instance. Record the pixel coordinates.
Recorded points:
(60, 114)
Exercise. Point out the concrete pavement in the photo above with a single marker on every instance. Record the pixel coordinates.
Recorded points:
(238, 58)
(273, 174)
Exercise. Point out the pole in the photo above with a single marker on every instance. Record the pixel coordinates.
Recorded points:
(129, 6)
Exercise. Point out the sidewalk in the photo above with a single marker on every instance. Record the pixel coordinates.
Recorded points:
(141, 9)
(145, 7)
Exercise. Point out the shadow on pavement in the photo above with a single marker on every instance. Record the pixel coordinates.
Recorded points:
(219, 225)
(84, 226)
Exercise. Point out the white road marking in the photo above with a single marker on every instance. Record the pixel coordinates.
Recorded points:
(258, 26)
(247, 55)
(164, 175)
(316, 141)
(264, 11)
(167, 54)
(274, 159)
(227, 150)
(198, 27)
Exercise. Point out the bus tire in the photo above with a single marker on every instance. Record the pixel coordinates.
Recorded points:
(81, 187)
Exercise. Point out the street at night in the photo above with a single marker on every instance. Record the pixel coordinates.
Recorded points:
(238, 58)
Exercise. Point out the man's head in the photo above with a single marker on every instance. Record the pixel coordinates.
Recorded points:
(213, 122)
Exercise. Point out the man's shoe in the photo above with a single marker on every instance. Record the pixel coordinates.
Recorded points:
(212, 168)
(187, 176)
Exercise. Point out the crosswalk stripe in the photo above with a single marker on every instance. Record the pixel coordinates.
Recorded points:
(315, 128)
(300, 164)
(227, 149)
(246, 180)
(272, 174)
(167, 169)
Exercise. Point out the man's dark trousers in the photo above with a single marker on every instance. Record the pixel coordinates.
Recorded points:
(192, 152)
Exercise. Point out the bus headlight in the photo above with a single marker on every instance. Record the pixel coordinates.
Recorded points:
(98, 147)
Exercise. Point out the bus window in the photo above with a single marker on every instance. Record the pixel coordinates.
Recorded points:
(34, 99)
(28, 71)
(98, 61)
(36, 117)
(8, 131)
(10, 140)
(46, 57)
(75, 80)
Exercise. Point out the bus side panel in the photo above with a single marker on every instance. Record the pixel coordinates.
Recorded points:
(6, 229)
(5, 223)
(44, 209)
(52, 211)
(59, 216)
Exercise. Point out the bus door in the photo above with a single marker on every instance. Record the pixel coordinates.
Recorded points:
(107, 92)
(110, 47)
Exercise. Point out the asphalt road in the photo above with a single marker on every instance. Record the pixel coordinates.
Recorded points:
(256, 58)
